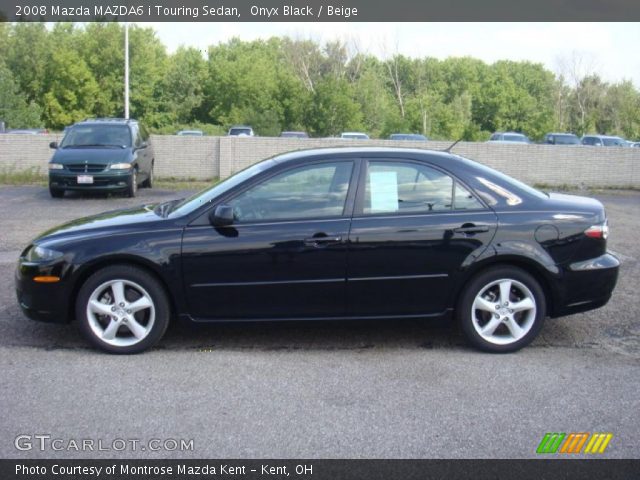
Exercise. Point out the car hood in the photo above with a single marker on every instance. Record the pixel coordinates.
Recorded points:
(91, 155)
(103, 224)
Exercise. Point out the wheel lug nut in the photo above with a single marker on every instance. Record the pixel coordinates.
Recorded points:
(122, 304)
(113, 309)
(498, 307)
(128, 311)
(496, 315)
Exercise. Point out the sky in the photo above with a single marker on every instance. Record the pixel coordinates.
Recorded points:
(611, 48)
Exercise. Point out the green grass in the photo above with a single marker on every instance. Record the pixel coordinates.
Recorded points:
(33, 176)
(30, 176)
(184, 184)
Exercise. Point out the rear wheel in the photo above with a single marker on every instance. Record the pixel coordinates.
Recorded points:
(501, 310)
(148, 183)
(56, 192)
(122, 309)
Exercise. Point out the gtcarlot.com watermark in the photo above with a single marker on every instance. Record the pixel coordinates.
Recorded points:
(49, 443)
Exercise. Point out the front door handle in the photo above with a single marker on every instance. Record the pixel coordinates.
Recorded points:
(471, 229)
(322, 240)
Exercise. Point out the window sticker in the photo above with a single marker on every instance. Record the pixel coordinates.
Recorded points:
(384, 191)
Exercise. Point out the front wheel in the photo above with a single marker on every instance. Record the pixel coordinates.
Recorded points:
(122, 309)
(132, 187)
(56, 192)
(501, 309)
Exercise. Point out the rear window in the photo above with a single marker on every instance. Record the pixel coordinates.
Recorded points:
(515, 138)
(566, 140)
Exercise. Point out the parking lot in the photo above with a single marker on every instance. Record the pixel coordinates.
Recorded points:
(378, 389)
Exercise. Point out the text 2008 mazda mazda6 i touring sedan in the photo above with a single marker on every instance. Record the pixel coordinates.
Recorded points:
(347, 233)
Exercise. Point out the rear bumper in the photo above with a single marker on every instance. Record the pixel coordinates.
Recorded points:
(587, 285)
(101, 181)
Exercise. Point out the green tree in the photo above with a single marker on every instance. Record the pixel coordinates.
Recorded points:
(14, 109)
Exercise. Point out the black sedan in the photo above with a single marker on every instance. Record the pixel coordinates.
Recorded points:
(346, 233)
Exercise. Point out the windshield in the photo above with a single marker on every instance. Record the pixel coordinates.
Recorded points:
(97, 136)
(240, 131)
(188, 205)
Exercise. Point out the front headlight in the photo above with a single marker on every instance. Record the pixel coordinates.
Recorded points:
(42, 254)
(56, 166)
(120, 166)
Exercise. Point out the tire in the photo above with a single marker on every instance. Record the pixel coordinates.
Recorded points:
(134, 330)
(148, 183)
(132, 188)
(56, 192)
(490, 325)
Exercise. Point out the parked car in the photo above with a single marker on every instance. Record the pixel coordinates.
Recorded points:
(408, 136)
(28, 131)
(102, 154)
(344, 233)
(190, 133)
(241, 131)
(603, 141)
(635, 144)
(294, 135)
(508, 137)
(561, 139)
(354, 136)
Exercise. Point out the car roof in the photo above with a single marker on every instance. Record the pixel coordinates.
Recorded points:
(333, 152)
(562, 133)
(123, 121)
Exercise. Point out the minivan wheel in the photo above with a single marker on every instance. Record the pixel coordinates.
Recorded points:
(122, 309)
(56, 192)
(501, 309)
(132, 188)
(148, 183)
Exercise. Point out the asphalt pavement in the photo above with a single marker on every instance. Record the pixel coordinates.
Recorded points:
(391, 389)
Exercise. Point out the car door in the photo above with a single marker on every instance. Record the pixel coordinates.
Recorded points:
(141, 153)
(413, 228)
(285, 254)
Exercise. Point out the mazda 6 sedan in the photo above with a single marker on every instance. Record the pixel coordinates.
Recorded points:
(344, 233)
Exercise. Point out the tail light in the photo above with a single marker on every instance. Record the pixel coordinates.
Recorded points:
(598, 231)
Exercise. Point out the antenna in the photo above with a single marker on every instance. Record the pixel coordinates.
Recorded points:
(448, 150)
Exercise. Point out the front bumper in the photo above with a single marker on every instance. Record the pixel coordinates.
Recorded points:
(102, 181)
(46, 302)
(587, 285)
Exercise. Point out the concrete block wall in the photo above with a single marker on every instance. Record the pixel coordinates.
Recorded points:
(533, 164)
(209, 157)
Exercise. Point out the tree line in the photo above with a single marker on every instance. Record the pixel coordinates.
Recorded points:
(55, 77)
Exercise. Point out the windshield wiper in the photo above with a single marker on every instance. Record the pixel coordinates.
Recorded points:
(88, 145)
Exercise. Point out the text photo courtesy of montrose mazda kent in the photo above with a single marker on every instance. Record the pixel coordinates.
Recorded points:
(343, 233)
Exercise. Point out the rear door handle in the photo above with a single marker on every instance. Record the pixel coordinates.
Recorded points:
(471, 229)
(316, 241)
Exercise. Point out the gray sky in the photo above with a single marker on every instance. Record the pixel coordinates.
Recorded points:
(611, 47)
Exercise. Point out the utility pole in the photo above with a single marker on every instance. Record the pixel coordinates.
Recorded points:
(126, 70)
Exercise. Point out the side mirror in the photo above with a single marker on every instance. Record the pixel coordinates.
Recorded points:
(222, 216)
(53, 145)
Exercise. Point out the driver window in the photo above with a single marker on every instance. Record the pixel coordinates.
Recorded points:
(312, 191)
(394, 187)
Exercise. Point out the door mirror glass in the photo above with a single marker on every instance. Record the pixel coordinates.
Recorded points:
(222, 216)
(53, 145)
